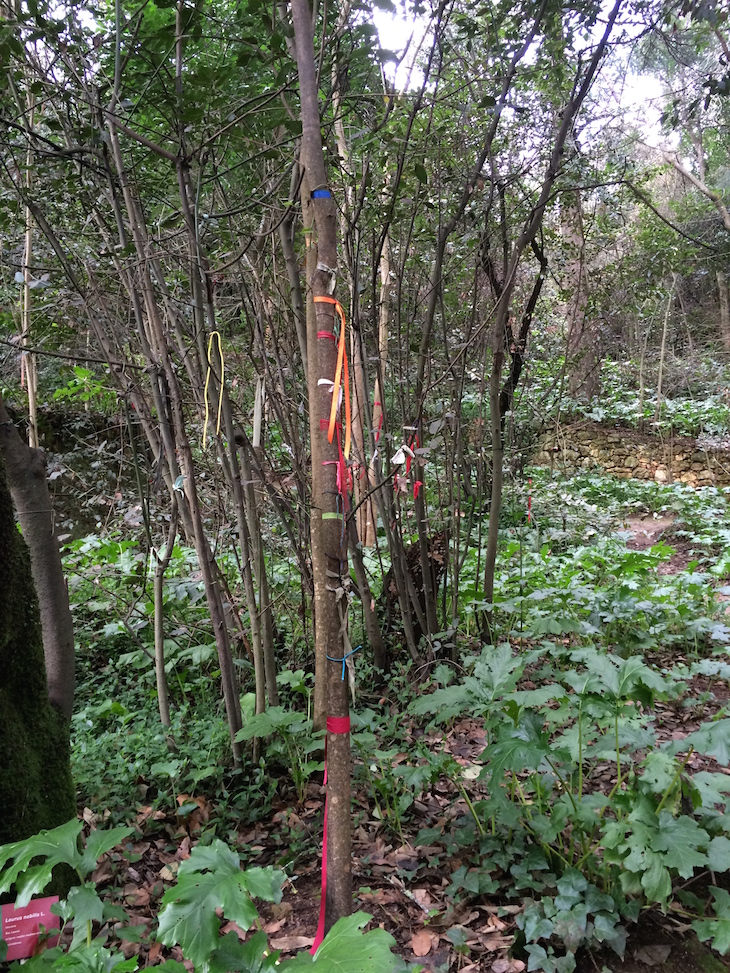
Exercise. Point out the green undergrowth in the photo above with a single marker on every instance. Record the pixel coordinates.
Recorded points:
(581, 806)
(690, 404)
(211, 888)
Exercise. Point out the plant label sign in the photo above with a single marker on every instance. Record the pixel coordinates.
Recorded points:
(20, 928)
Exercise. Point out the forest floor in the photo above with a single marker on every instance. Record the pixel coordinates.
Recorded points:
(401, 882)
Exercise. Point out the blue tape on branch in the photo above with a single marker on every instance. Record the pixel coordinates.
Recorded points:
(321, 194)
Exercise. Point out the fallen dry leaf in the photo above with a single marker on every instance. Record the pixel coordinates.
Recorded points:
(423, 898)
(103, 873)
(507, 965)
(421, 942)
(154, 954)
(275, 926)
(289, 943)
(279, 910)
(232, 927)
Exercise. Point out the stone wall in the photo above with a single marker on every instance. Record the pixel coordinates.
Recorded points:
(626, 453)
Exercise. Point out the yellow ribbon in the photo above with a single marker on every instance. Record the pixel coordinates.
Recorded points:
(207, 383)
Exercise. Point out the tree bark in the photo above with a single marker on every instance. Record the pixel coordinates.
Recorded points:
(161, 564)
(328, 534)
(724, 295)
(26, 474)
(35, 770)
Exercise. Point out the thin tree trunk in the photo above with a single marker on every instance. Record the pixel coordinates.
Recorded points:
(29, 364)
(372, 625)
(369, 519)
(161, 565)
(662, 351)
(163, 369)
(722, 290)
(329, 542)
(582, 343)
(528, 234)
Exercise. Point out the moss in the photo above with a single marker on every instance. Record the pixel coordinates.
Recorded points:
(35, 770)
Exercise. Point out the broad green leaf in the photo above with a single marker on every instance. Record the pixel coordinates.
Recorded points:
(718, 929)
(188, 917)
(718, 854)
(276, 719)
(713, 788)
(711, 740)
(86, 904)
(233, 956)
(680, 839)
(655, 880)
(444, 703)
(659, 771)
(211, 879)
(346, 949)
(60, 845)
(99, 843)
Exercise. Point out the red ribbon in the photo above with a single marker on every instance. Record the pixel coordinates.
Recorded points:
(335, 724)
(344, 476)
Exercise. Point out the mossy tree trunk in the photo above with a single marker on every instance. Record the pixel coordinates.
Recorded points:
(35, 770)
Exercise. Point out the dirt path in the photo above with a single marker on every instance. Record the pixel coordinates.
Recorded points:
(648, 530)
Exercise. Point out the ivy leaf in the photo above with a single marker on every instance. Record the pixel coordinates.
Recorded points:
(679, 839)
(346, 949)
(211, 879)
(572, 886)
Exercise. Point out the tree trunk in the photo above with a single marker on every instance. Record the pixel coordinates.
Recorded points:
(528, 234)
(662, 351)
(582, 341)
(26, 476)
(35, 769)
(28, 361)
(161, 564)
(722, 290)
(329, 540)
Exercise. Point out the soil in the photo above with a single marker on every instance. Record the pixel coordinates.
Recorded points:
(646, 530)
(656, 945)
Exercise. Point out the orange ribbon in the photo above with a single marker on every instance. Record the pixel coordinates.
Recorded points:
(342, 367)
